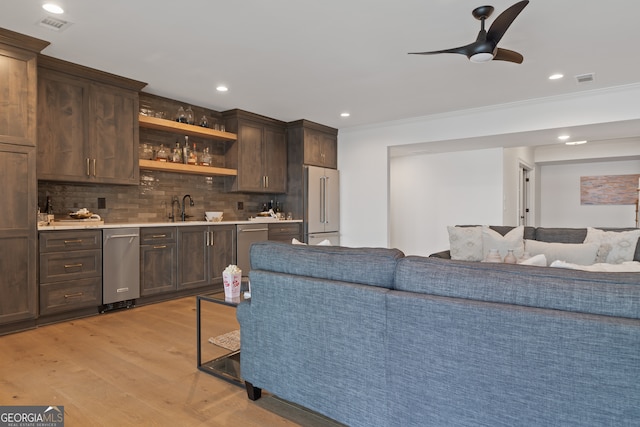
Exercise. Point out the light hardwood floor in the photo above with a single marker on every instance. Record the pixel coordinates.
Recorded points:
(135, 367)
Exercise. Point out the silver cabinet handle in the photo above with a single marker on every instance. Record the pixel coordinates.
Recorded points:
(212, 242)
(88, 170)
(208, 237)
(158, 236)
(159, 246)
(68, 242)
(94, 167)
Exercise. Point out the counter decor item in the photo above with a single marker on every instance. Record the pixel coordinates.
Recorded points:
(510, 258)
(493, 256)
(232, 277)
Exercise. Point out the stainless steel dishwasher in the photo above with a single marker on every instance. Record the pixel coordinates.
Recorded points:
(120, 267)
(248, 234)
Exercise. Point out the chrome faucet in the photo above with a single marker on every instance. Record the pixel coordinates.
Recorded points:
(184, 212)
(174, 201)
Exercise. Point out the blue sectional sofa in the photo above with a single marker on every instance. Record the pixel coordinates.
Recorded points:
(369, 337)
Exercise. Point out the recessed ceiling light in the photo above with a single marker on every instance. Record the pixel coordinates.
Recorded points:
(345, 114)
(222, 88)
(575, 142)
(563, 137)
(556, 76)
(53, 8)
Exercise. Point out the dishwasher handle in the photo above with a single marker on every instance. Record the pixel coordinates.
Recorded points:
(118, 236)
(252, 230)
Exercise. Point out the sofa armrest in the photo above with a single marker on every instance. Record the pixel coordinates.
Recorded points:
(442, 254)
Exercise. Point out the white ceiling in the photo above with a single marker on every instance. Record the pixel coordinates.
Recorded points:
(293, 59)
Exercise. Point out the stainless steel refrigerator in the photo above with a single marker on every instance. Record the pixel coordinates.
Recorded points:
(321, 205)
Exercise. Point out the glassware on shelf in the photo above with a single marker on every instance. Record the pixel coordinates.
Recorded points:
(189, 115)
(204, 122)
(206, 157)
(181, 117)
(145, 152)
(162, 155)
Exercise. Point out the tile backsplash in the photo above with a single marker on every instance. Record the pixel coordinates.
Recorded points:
(151, 200)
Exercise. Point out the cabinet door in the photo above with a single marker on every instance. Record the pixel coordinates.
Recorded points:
(18, 240)
(320, 149)
(63, 151)
(193, 257)
(18, 89)
(222, 251)
(157, 268)
(275, 160)
(250, 157)
(113, 135)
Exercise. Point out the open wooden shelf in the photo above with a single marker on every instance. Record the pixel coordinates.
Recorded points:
(183, 128)
(187, 169)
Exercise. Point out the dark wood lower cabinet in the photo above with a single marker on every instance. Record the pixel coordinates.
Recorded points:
(158, 260)
(70, 272)
(203, 252)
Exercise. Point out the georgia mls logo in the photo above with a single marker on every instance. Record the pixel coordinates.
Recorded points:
(31, 416)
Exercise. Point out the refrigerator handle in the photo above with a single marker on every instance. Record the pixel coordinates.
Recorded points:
(327, 197)
(323, 199)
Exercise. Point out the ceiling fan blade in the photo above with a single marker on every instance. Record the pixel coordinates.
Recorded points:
(508, 55)
(463, 50)
(502, 22)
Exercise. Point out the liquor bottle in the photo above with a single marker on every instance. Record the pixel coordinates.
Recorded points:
(49, 206)
(185, 150)
(181, 117)
(177, 153)
(193, 156)
(206, 157)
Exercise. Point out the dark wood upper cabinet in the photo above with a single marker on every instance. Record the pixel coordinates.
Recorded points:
(259, 154)
(316, 144)
(87, 125)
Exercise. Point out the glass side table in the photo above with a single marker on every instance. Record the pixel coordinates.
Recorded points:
(226, 366)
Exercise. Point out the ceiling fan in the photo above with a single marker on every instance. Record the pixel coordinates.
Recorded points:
(485, 48)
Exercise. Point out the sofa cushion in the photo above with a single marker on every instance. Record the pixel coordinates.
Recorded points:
(513, 240)
(465, 243)
(575, 253)
(561, 235)
(622, 243)
(612, 294)
(368, 266)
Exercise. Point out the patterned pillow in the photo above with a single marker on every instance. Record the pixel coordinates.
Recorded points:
(465, 243)
(513, 240)
(623, 244)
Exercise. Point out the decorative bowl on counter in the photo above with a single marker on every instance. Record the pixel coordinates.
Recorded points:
(213, 216)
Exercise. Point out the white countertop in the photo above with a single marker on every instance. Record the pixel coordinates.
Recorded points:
(89, 224)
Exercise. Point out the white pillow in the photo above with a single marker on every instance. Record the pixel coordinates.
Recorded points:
(575, 253)
(465, 243)
(540, 260)
(513, 240)
(325, 242)
(625, 267)
(623, 243)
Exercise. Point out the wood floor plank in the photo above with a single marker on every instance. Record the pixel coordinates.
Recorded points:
(136, 367)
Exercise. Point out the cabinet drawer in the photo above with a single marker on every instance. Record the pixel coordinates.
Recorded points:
(66, 296)
(56, 241)
(153, 235)
(284, 232)
(63, 266)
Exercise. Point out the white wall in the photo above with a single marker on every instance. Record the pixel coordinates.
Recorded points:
(363, 151)
(560, 196)
(430, 192)
(513, 158)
